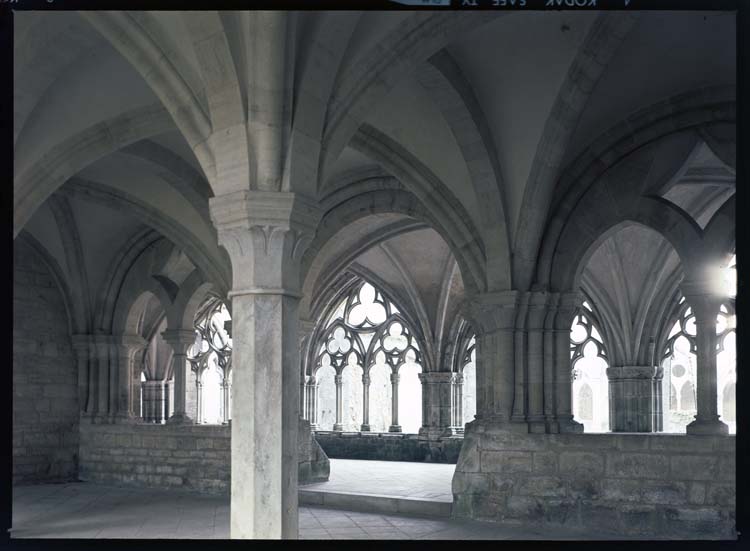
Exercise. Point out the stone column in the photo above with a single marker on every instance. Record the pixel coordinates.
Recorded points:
(101, 350)
(81, 348)
(144, 401)
(192, 401)
(633, 398)
(154, 401)
(180, 340)
(706, 306)
(198, 401)
(520, 383)
(161, 402)
(265, 234)
(306, 328)
(395, 427)
(127, 406)
(566, 310)
(436, 400)
(92, 403)
(493, 317)
(338, 379)
(537, 314)
(365, 403)
(225, 400)
(311, 388)
(457, 405)
(548, 353)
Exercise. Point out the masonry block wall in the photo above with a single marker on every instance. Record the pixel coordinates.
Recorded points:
(389, 447)
(196, 457)
(45, 395)
(630, 484)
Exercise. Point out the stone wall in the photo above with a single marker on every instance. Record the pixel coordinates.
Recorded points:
(45, 395)
(313, 461)
(389, 447)
(194, 457)
(660, 485)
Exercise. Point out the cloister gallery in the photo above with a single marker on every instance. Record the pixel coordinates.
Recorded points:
(269, 258)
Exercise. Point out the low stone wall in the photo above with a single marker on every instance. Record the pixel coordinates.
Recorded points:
(389, 447)
(162, 456)
(194, 457)
(660, 485)
(313, 461)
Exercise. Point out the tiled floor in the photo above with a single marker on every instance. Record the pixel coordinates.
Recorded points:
(431, 481)
(83, 510)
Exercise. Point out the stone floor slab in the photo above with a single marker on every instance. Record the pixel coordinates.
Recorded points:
(154, 514)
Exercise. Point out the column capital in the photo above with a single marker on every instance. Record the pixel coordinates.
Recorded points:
(247, 208)
(490, 312)
(265, 234)
(366, 379)
(80, 341)
(338, 379)
(567, 304)
(101, 339)
(435, 377)
(539, 306)
(395, 377)
(703, 299)
(179, 339)
(132, 342)
(624, 372)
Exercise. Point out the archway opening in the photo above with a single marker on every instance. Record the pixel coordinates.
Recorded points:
(382, 299)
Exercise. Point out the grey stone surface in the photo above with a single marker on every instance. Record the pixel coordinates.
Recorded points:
(45, 403)
(176, 456)
(669, 487)
(389, 447)
(87, 511)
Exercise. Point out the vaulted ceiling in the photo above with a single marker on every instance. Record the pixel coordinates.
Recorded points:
(488, 109)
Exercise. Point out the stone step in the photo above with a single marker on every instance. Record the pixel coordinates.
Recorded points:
(369, 503)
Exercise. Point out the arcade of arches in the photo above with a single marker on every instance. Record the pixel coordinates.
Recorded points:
(246, 243)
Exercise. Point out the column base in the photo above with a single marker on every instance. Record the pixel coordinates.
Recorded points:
(537, 425)
(313, 426)
(568, 425)
(365, 428)
(338, 428)
(394, 428)
(707, 426)
(180, 419)
(125, 419)
(432, 433)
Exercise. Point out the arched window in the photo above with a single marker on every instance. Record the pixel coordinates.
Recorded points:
(466, 369)
(679, 363)
(368, 342)
(726, 366)
(728, 403)
(687, 397)
(680, 366)
(589, 363)
(156, 398)
(210, 358)
(585, 403)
